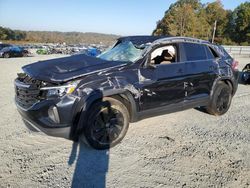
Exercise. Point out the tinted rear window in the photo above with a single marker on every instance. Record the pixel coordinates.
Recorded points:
(210, 54)
(195, 52)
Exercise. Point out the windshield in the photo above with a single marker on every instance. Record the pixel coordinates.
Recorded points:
(124, 51)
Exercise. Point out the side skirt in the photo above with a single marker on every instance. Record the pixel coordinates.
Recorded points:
(186, 104)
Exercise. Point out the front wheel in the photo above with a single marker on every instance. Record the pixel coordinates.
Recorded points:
(107, 123)
(221, 100)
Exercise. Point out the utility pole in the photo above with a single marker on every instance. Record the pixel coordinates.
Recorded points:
(215, 25)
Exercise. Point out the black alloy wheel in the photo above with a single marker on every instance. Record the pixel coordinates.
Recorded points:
(107, 124)
(221, 99)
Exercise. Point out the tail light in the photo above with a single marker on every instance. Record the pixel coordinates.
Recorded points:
(235, 65)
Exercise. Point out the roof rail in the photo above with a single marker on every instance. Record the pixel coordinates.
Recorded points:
(181, 39)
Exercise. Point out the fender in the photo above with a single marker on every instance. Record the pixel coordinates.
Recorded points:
(109, 87)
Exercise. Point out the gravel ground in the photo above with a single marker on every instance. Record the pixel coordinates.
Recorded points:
(184, 149)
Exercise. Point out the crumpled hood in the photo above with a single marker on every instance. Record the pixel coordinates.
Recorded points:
(68, 68)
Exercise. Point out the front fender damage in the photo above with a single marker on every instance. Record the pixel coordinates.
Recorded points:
(97, 90)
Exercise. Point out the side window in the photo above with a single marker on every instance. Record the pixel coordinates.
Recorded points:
(164, 55)
(194, 52)
(211, 54)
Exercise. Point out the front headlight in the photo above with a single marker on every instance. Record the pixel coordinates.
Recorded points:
(59, 91)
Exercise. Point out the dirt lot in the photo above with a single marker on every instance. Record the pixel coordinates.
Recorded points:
(184, 149)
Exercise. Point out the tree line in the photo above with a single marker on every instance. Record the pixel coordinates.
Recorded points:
(191, 18)
(8, 34)
(56, 37)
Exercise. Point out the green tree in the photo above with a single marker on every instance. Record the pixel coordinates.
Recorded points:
(194, 19)
(216, 12)
(3, 34)
(184, 18)
(239, 25)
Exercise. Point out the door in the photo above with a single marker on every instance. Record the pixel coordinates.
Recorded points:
(162, 83)
(200, 69)
(15, 51)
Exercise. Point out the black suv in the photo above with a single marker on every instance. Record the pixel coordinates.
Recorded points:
(95, 98)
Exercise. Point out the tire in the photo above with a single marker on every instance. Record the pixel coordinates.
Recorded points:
(221, 100)
(6, 55)
(25, 54)
(107, 124)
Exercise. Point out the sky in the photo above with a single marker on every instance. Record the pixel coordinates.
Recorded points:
(127, 17)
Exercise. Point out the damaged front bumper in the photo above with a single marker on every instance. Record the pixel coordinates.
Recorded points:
(52, 117)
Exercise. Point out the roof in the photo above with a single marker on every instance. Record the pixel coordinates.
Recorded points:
(182, 39)
(139, 40)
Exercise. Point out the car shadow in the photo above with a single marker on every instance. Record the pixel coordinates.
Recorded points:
(91, 166)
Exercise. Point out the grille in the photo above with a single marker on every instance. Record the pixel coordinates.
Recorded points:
(27, 91)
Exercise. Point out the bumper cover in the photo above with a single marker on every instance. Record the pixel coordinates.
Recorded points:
(56, 132)
(37, 117)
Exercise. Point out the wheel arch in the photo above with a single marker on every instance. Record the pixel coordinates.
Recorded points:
(227, 81)
(123, 95)
(128, 100)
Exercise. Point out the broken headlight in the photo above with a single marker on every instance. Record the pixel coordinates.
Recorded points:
(59, 91)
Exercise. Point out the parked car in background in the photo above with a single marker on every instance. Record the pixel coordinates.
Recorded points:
(13, 51)
(95, 98)
(4, 45)
(246, 74)
(90, 52)
(43, 51)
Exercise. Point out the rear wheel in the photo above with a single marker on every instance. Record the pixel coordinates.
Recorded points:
(6, 55)
(221, 100)
(107, 123)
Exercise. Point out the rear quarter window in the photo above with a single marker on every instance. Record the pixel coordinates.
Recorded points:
(224, 52)
(194, 52)
(211, 54)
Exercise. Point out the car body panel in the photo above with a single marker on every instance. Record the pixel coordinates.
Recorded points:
(165, 87)
(68, 68)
